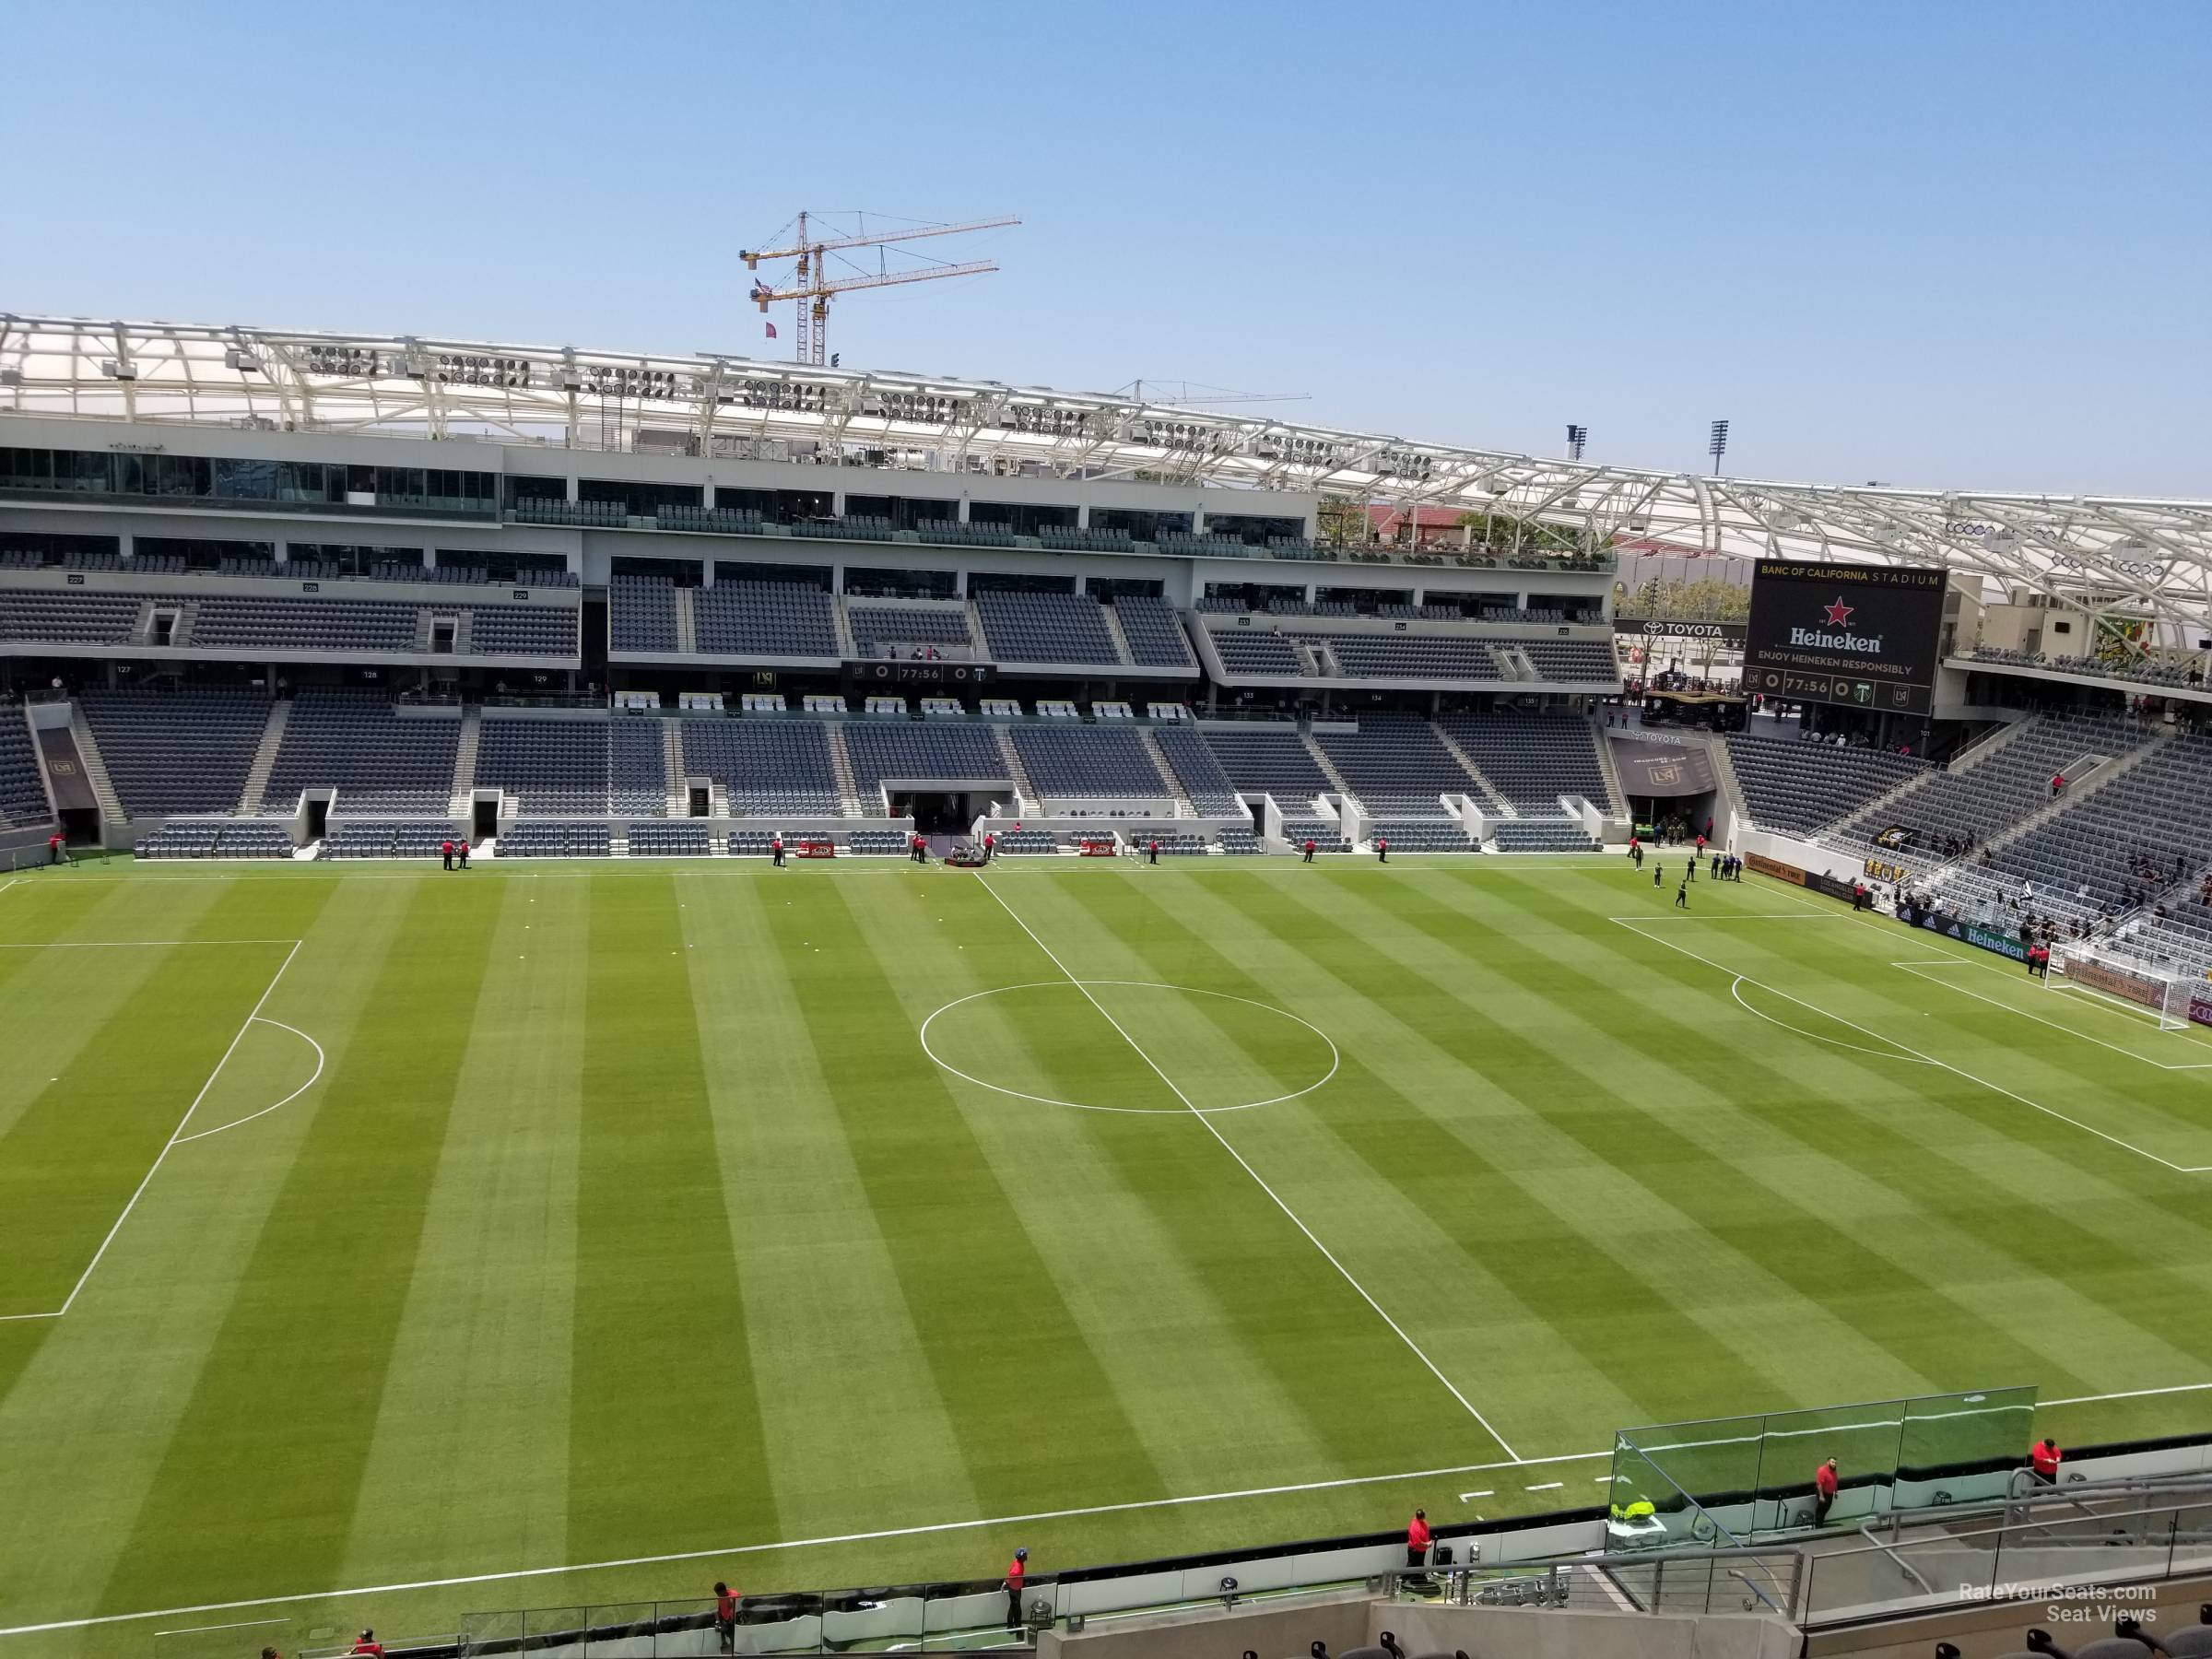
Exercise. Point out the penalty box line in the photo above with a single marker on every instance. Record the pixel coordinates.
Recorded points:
(177, 1135)
(1327, 1254)
(1915, 969)
(1905, 1051)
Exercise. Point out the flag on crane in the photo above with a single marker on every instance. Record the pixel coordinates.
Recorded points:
(771, 330)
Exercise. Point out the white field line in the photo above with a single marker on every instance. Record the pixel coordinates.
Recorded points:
(1914, 970)
(131, 944)
(1910, 1052)
(320, 1059)
(1211, 1129)
(878, 1535)
(176, 1137)
(886, 1533)
(1737, 991)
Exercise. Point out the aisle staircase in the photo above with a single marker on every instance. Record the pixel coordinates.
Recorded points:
(840, 762)
(95, 769)
(252, 799)
(672, 769)
(1492, 800)
(461, 797)
(1024, 790)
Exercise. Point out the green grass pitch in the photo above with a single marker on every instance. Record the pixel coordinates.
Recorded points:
(540, 1217)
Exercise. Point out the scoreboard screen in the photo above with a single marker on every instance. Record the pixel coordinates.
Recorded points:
(1866, 635)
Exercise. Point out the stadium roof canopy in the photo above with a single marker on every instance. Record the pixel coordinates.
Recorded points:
(2147, 556)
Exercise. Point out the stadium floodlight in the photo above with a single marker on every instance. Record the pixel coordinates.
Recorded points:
(1576, 437)
(1717, 445)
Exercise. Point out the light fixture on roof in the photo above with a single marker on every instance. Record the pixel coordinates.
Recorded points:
(1716, 445)
(1577, 436)
(240, 359)
(570, 381)
(118, 371)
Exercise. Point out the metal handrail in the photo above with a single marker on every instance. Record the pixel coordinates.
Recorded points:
(1903, 1566)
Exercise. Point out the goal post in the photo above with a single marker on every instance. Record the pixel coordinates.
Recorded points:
(2160, 993)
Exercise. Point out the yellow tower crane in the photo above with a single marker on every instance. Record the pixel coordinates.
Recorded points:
(812, 284)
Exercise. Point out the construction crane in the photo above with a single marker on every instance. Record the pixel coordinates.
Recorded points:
(1189, 393)
(812, 284)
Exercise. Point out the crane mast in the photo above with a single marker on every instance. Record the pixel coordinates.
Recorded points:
(812, 285)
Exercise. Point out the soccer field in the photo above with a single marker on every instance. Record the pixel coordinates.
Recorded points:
(387, 1227)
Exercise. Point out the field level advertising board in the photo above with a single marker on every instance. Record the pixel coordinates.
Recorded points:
(1864, 635)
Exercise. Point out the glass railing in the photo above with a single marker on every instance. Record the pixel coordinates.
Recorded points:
(2037, 1560)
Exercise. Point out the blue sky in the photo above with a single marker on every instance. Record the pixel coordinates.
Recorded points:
(1956, 246)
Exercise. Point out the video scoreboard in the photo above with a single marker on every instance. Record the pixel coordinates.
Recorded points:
(1864, 635)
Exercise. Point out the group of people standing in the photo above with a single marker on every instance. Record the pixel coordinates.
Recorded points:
(453, 850)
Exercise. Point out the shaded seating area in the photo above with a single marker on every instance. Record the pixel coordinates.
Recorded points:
(360, 743)
(184, 750)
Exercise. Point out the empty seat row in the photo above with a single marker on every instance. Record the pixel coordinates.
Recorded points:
(186, 750)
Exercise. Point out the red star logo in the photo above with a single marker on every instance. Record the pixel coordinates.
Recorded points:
(1840, 613)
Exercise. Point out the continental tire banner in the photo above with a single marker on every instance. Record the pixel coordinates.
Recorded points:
(1763, 866)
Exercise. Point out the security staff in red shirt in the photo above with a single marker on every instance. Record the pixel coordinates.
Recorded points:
(2043, 1458)
(1017, 1574)
(725, 1615)
(1824, 1491)
(1417, 1539)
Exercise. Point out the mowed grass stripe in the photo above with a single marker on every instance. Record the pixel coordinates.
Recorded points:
(665, 1442)
(825, 1312)
(1215, 1310)
(1867, 1285)
(1211, 1416)
(1605, 1311)
(166, 1284)
(2115, 1291)
(1039, 1421)
(470, 1457)
(266, 1462)
(81, 1146)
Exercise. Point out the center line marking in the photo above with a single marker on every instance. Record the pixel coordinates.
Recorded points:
(1330, 1255)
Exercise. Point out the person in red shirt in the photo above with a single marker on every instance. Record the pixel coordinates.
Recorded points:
(2058, 784)
(1017, 1574)
(369, 1647)
(1152, 850)
(460, 851)
(1309, 849)
(2043, 1458)
(53, 848)
(1824, 1491)
(1381, 848)
(725, 1615)
(1417, 1539)
(446, 847)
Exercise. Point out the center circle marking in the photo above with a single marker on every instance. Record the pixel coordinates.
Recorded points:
(1335, 1059)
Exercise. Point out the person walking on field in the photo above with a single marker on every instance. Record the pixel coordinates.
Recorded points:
(1824, 1491)
(1381, 848)
(462, 851)
(1017, 1574)
(1682, 892)
(1309, 858)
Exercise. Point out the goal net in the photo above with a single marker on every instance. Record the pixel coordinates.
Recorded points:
(2159, 993)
